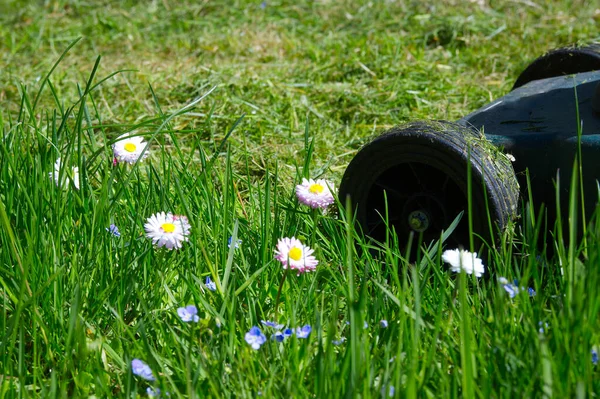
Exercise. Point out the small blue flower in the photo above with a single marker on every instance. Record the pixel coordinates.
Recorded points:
(210, 284)
(365, 325)
(272, 324)
(288, 332)
(141, 369)
(391, 391)
(542, 327)
(278, 336)
(255, 338)
(513, 288)
(303, 332)
(383, 324)
(237, 243)
(594, 356)
(339, 341)
(114, 230)
(155, 393)
(189, 313)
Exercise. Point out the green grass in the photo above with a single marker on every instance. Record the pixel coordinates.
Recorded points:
(289, 90)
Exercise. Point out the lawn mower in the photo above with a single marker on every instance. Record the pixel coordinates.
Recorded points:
(417, 178)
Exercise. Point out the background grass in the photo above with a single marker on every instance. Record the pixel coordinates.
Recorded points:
(80, 304)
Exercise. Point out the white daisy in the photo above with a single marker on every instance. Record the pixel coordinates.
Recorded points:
(464, 260)
(293, 254)
(316, 194)
(68, 175)
(167, 230)
(129, 149)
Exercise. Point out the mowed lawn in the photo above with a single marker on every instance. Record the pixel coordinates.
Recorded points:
(237, 102)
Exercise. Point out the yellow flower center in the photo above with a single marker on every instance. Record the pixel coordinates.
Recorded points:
(168, 227)
(315, 188)
(295, 253)
(130, 147)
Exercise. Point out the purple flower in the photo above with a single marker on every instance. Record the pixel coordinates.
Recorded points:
(272, 324)
(303, 332)
(141, 369)
(383, 324)
(114, 230)
(288, 332)
(189, 313)
(255, 338)
(210, 284)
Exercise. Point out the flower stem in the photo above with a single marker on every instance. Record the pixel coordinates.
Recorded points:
(315, 216)
(279, 290)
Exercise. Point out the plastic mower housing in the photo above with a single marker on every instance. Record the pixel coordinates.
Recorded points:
(417, 178)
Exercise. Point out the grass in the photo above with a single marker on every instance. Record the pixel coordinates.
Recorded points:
(288, 90)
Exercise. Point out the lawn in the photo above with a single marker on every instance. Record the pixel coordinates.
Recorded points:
(236, 102)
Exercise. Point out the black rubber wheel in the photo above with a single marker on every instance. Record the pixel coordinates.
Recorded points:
(421, 169)
(560, 62)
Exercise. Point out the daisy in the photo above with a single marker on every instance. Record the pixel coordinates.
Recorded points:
(167, 230)
(464, 260)
(315, 194)
(294, 255)
(72, 175)
(129, 149)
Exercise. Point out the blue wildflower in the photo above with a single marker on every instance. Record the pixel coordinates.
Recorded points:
(155, 392)
(594, 356)
(278, 336)
(189, 313)
(383, 324)
(114, 230)
(272, 324)
(542, 327)
(303, 332)
(210, 284)
(141, 369)
(391, 391)
(338, 341)
(513, 288)
(366, 325)
(288, 332)
(237, 243)
(255, 338)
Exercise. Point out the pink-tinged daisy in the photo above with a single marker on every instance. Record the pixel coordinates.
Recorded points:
(69, 175)
(316, 194)
(464, 260)
(167, 230)
(296, 256)
(130, 148)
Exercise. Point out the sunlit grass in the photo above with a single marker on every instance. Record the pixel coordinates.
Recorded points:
(79, 304)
